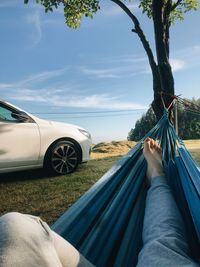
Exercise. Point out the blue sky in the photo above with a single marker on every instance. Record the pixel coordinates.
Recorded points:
(47, 67)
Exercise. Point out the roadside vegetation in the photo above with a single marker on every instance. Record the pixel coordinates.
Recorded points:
(48, 197)
(188, 121)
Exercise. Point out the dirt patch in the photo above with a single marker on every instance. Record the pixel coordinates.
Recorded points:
(192, 144)
(116, 148)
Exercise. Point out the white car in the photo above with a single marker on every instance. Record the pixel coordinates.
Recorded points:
(27, 142)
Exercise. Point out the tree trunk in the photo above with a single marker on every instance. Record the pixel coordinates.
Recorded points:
(163, 79)
(163, 86)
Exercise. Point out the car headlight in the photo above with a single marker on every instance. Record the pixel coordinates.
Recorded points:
(86, 133)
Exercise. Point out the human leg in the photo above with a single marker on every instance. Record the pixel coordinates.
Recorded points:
(62, 246)
(26, 240)
(164, 240)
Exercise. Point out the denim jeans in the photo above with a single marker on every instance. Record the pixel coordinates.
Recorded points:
(27, 241)
(164, 238)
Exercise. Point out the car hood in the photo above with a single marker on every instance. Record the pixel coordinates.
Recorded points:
(56, 123)
(63, 124)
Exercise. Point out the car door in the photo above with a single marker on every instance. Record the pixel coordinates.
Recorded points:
(19, 138)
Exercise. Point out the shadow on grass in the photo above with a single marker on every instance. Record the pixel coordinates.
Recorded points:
(23, 175)
(42, 174)
(31, 175)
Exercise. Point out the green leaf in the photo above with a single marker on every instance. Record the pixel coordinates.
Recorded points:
(176, 14)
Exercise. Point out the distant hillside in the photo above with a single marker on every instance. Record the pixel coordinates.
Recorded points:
(116, 148)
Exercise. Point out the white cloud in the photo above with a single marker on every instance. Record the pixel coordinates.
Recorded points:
(5, 85)
(33, 80)
(35, 22)
(134, 59)
(177, 64)
(126, 70)
(131, 65)
(60, 95)
(101, 73)
(96, 101)
(195, 49)
(125, 58)
(43, 76)
(30, 95)
(108, 76)
(189, 55)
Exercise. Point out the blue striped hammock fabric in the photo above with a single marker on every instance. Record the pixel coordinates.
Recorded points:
(105, 224)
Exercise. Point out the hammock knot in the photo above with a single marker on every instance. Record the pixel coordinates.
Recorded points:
(165, 113)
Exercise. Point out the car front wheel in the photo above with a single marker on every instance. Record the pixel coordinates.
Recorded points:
(63, 158)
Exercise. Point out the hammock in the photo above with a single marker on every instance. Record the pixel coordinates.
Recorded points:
(105, 224)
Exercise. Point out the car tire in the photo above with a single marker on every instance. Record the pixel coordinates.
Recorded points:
(62, 158)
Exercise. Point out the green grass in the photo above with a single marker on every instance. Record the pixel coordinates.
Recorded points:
(48, 197)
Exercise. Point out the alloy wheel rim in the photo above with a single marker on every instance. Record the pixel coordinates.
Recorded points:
(64, 159)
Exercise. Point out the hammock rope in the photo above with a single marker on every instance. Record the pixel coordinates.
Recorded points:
(105, 224)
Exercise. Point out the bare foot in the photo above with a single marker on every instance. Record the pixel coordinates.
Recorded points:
(153, 155)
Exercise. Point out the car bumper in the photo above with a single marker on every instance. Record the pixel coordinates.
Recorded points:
(86, 149)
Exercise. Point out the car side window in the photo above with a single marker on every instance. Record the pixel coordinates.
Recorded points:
(6, 115)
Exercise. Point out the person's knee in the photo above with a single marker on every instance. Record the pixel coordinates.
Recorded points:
(11, 216)
(12, 223)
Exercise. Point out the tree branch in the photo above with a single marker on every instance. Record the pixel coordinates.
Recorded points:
(134, 30)
(176, 4)
(140, 33)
